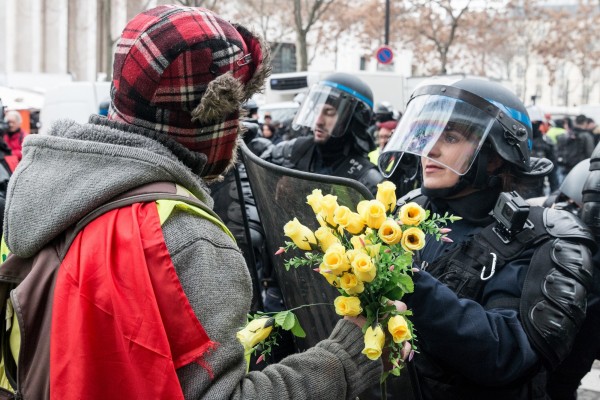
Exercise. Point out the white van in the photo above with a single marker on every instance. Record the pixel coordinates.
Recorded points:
(75, 100)
(386, 86)
(283, 111)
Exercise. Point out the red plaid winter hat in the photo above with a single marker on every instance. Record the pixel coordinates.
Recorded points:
(185, 72)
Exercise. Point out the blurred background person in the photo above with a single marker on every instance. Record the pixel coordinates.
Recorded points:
(383, 133)
(14, 134)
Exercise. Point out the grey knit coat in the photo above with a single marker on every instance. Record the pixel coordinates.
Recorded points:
(76, 168)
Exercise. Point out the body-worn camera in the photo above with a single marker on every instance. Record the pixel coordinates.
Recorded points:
(511, 212)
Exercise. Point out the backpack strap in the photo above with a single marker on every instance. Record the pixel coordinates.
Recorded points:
(143, 194)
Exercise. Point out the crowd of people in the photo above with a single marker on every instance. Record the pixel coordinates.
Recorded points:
(146, 297)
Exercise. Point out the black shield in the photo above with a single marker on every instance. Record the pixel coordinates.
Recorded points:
(280, 195)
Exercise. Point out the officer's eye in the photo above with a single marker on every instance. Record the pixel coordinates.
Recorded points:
(452, 137)
(329, 111)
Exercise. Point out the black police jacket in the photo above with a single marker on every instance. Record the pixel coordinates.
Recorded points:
(345, 161)
(484, 333)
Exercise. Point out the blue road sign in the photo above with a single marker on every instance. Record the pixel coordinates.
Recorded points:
(385, 55)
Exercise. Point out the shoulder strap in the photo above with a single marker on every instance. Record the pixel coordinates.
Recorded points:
(353, 167)
(414, 195)
(143, 194)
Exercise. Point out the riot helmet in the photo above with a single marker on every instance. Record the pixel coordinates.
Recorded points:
(251, 106)
(384, 112)
(475, 115)
(338, 104)
(573, 184)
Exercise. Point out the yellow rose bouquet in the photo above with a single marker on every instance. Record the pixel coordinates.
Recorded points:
(367, 255)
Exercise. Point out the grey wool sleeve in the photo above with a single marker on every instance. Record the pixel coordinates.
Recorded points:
(216, 281)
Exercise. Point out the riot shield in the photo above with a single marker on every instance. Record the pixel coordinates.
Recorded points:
(280, 195)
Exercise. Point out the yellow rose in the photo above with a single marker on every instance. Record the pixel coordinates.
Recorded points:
(372, 212)
(335, 260)
(328, 207)
(326, 238)
(341, 216)
(356, 224)
(373, 250)
(358, 242)
(322, 221)
(362, 206)
(301, 235)
(411, 214)
(255, 332)
(386, 193)
(351, 284)
(398, 327)
(390, 232)
(314, 200)
(352, 253)
(413, 239)
(374, 341)
(349, 306)
(331, 278)
(363, 267)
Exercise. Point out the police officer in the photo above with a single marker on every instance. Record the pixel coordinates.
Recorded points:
(335, 114)
(502, 303)
(565, 379)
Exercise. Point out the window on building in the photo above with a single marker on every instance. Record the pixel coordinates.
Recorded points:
(363, 63)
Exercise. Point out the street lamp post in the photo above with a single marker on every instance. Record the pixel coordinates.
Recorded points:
(387, 22)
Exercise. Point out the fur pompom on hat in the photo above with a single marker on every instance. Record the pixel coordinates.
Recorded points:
(185, 72)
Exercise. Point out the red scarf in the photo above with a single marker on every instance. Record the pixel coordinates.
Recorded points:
(113, 335)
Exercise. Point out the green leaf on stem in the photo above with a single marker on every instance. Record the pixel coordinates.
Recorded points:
(406, 283)
(384, 376)
(297, 329)
(285, 319)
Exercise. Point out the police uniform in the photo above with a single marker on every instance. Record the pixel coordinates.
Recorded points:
(501, 305)
(337, 157)
(491, 316)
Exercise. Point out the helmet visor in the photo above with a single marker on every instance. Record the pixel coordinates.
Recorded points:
(325, 109)
(446, 130)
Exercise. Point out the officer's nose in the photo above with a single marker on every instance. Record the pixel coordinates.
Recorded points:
(436, 150)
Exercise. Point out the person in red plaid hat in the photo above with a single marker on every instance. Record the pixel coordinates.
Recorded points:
(149, 298)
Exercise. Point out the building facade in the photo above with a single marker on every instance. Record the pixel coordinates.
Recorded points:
(76, 38)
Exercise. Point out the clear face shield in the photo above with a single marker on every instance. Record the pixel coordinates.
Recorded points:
(326, 110)
(445, 130)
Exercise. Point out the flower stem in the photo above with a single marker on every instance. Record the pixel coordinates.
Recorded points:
(297, 308)
(309, 305)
